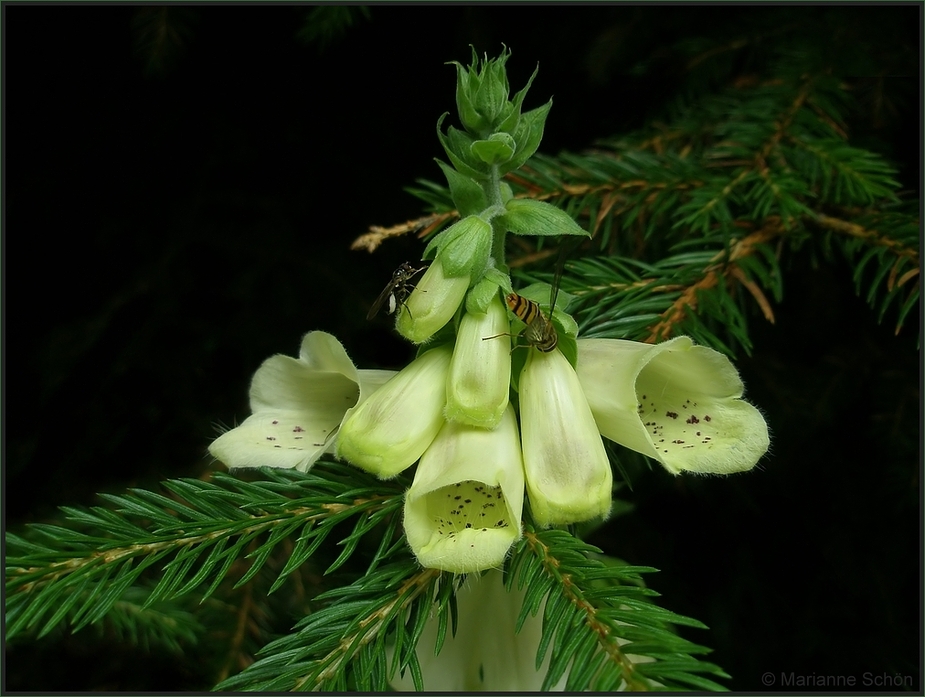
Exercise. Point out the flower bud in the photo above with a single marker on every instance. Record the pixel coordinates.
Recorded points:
(496, 150)
(482, 92)
(432, 303)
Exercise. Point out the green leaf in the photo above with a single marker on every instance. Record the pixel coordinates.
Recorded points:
(529, 217)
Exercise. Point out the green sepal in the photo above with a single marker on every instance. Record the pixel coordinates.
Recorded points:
(498, 149)
(465, 82)
(526, 216)
(493, 89)
(528, 134)
(510, 121)
(566, 323)
(430, 251)
(468, 255)
(481, 294)
(540, 293)
(460, 144)
(507, 111)
(468, 196)
(457, 144)
(437, 243)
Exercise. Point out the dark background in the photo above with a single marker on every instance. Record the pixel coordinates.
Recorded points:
(181, 188)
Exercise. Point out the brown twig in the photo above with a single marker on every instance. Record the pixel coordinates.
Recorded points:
(721, 265)
(422, 226)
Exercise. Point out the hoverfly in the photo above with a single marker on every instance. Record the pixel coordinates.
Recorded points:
(397, 290)
(539, 332)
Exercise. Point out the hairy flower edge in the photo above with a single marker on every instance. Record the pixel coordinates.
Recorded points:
(675, 402)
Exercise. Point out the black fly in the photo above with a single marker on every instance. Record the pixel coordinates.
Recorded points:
(397, 290)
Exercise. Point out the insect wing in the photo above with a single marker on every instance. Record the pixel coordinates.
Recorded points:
(396, 290)
(544, 334)
(387, 292)
(556, 281)
(541, 332)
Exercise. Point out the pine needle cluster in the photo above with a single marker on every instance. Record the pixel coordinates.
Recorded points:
(148, 563)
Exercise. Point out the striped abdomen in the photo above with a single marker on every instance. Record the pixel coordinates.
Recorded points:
(540, 331)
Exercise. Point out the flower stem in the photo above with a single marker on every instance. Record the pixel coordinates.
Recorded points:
(493, 193)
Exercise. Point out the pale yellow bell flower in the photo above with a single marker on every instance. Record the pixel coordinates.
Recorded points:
(298, 405)
(567, 470)
(432, 303)
(388, 434)
(678, 403)
(463, 511)
(480, 372)
(486, 654)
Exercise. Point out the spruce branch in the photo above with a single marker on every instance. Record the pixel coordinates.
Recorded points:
(343, 645)
(65, 573)
(886, 241)
(130, 621)
(599, 624)
(723, 266)
(245, 615)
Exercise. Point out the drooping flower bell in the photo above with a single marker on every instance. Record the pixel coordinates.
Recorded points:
(432, 303)
(480, 372)
(567, 470)
(388, 434)
(298, 405)
(463, 511)
(678, 403)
